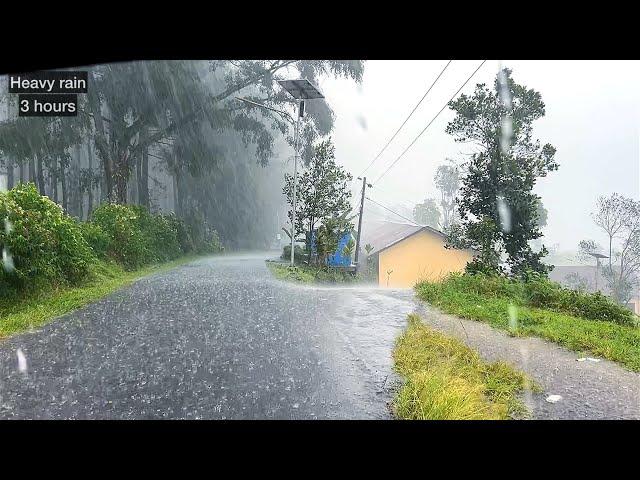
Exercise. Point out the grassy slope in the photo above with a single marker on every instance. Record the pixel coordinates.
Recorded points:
(446, 380)
(600, 338)
(36, 310)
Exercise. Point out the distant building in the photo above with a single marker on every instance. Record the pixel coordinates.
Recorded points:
(404, 254)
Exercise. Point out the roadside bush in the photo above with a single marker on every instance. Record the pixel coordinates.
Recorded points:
(127, 243)
(212, 243)
(44, 243)
(183, 233)
(97, 239)
(160, 233)
(594, 306)
(299, 255)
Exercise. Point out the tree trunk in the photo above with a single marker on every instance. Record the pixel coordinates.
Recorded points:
(63, 184)
(53, 183)
(22, 172)
(101, 138)
(40, 175)
(142, 170)
(32, 169)
(10, 176)
(176, 194)
(90, 186)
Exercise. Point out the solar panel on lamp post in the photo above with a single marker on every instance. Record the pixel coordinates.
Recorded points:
(597, 256)
(301, 89)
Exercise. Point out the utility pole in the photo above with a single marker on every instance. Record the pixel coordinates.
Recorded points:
(364, 186)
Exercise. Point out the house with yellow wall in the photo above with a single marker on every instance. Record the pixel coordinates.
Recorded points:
(405, 254)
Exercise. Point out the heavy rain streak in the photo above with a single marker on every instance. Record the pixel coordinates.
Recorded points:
(321, 239)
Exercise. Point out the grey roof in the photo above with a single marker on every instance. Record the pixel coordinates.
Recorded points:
(382, 235)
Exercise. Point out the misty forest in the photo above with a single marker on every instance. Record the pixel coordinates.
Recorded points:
(172, 136)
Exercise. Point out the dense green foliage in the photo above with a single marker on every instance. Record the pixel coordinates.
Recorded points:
(299, 255)
(322, 197)
(499, 211)
(585, 323)
(44, 246)
(41, 244)
(137, 237)
(446, 380)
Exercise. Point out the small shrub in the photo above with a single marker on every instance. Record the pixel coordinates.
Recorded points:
(97, 239)
(299, 255)
(45, 244)
(183, 233)
(127, 243)
(213, 244)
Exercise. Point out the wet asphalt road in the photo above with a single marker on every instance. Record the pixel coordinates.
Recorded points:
(217, 338)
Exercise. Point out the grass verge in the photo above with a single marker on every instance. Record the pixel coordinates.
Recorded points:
(307, 274)
(446, 380)
(620, 343)
(19, 315)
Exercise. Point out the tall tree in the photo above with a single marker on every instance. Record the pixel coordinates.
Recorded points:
(427, 213)
(497, 205)
(619, 218)
(447, 180)
(322, 192)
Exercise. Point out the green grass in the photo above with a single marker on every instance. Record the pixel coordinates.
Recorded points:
(307, 274)
(446, 380)
(620, 343)
(22, 314)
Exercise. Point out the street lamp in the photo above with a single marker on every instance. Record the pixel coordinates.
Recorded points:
(597, 256)
(302, 90)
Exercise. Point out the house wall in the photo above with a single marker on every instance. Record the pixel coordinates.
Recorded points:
(634, 305)
(419, 257)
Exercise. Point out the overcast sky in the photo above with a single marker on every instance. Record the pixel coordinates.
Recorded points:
(592, 118)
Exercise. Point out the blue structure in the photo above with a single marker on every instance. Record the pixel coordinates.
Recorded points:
(338, 259)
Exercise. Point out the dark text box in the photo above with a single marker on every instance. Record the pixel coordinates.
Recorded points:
(49, 82)
(47, 105)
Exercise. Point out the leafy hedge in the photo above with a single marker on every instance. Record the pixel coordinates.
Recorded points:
(137, 237)
(539, 292)
(299, 255)
(43, 245)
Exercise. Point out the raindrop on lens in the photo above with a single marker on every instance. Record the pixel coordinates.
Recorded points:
(505, 134)
(7, 260)
(362, 121)
(505, 215)
(22, 361)
(513, 317)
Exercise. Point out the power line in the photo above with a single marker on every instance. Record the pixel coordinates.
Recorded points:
(403, 200)
(395, 213)
(432, 120)
(406, 119)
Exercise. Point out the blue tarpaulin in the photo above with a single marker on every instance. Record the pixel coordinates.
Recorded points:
(338, 259)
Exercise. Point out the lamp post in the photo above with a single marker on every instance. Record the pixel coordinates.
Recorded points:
(597, 256)
(301, 89)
